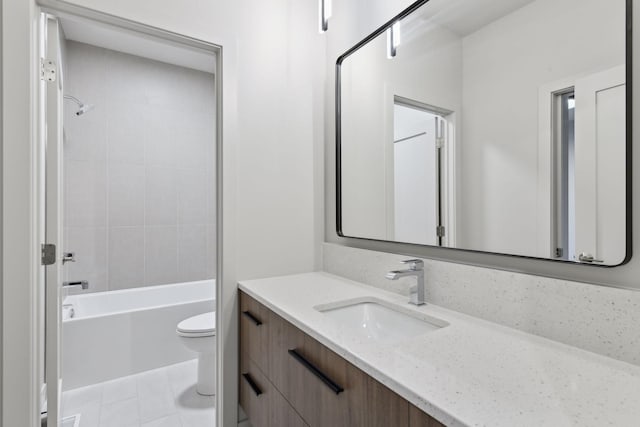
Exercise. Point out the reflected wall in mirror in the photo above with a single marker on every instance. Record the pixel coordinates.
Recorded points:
(495, 125)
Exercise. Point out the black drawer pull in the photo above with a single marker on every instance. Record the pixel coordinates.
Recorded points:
(315, 371)
(253, 318)
(252, 384)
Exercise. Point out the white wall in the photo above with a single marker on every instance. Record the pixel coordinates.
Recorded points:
(273, 110)
(502, 76)
(139, 171)
(19, 367)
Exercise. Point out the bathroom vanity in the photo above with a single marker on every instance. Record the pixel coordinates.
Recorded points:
(301, 365)
(288, 378)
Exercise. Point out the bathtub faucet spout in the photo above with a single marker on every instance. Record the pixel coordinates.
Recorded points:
(84, 284)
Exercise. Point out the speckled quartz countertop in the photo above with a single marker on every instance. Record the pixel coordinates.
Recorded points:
(470, 373)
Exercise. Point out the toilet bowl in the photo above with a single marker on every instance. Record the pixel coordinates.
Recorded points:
(198, 333)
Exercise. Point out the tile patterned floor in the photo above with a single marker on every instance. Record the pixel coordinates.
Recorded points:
(164, 397)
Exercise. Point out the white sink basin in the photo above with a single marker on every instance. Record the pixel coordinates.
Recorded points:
(378, 320)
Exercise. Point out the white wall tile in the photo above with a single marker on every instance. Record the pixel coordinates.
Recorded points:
(126, 257)
(86, 73)
(126, 132)
(126, 78)
(90, 247)
(159, 94)
(143, 158)
(192, 197)
(161, 255)
(84, 136)
(162, 140)
(191, 147)
(126, 195)
(85, 194)
(192, 252)
(161, 196)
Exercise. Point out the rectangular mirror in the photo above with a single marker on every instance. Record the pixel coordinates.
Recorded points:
(496, 125)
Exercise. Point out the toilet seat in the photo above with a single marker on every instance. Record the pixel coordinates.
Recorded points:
(202, 325)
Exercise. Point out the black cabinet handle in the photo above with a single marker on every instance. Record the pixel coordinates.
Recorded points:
(315, 371)
(252, 384)
(253, 318)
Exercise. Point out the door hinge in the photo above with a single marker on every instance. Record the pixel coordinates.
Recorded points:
(440, 231)
(48, 254)
(48, 70)
(439, 132)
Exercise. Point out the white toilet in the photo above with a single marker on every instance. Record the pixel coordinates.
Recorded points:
(198, 333)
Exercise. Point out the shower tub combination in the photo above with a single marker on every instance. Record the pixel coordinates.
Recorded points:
(108, 335)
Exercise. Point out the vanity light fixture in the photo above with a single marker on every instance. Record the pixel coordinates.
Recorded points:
(325, 14)
(393, 39)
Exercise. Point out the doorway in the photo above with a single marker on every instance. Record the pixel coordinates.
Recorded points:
(588, 219)
(422, 146)
(131, 208)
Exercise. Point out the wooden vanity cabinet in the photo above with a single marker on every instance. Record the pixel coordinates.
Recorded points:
(318, 385)
(259, 398)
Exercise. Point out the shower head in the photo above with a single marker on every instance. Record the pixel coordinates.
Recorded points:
(82, 107)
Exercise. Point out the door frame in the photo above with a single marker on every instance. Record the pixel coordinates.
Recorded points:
(21, 390)
(446, 172)
(548, 135)
(50, 211)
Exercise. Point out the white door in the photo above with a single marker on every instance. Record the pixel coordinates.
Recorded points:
(53, 216)
(415, 173)
(600, 183)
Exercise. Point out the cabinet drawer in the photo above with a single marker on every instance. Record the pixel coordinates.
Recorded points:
(284, 375)
(254, 331)
(382, 406)
(254, 392)
(313, 379)
(263, 404)
(364, 402)
(419, 418)
(327, 391)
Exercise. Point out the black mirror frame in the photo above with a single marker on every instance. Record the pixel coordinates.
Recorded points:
(628, 143)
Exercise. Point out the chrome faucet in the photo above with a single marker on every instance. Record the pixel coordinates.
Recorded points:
(84, 284)
(416, 293)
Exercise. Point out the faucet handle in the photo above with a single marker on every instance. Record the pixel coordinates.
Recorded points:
(414, 264)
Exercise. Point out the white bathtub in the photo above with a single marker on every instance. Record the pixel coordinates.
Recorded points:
(118, 333)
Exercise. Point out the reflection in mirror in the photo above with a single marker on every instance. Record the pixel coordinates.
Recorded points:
(494, 125)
